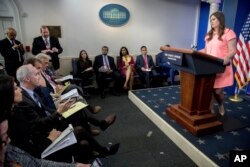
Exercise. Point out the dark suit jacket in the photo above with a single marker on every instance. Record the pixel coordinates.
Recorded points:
(11, 56)
(39, 45)
(140, 62)
(99, 62)
(29, 125)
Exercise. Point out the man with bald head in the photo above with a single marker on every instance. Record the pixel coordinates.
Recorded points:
(12, 50)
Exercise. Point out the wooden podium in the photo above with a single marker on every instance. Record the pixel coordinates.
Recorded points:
(197, 78)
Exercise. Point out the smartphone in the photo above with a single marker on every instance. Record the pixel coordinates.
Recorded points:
(96, 163)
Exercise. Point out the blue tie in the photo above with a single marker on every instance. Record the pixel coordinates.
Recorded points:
(39, 104)
(36, 100)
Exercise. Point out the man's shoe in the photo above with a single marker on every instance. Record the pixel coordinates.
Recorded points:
(109, 151)
(109, 120)
(113, 149)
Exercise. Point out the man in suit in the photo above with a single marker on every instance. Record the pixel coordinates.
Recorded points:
(105, 67)
(12, 50)
(48, 45)
(24, 118)
(33, 126)
(13, 156)
(165, 66)
(145, 67)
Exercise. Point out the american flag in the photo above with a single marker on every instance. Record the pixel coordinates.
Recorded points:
(242, 58)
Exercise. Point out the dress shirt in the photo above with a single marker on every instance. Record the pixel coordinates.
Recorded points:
(106, 61)
(32, 95)
(46, 41)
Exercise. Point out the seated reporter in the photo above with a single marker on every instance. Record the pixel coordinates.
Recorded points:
(10, 155)
(127, 67)
(166, 67)
(56, 87)
(45, 97)
(104, 66)
(84, 68)
(53, 85)
(32, 121)
(145, 67)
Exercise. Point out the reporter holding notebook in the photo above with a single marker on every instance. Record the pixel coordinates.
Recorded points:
(31, 123)
(10, 155)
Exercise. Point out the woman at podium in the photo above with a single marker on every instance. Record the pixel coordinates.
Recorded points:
(221, 42)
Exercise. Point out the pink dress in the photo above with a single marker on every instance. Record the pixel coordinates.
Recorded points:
(219, 48)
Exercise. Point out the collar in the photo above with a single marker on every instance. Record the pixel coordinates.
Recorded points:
(29, 91)
(47, 38)
(10, 40)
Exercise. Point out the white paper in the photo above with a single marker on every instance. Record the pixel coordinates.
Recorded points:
(66, 139)
(70, 94)
(68, 77)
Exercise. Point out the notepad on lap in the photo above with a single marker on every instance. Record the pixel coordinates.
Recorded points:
(74, 108)
(65, 139)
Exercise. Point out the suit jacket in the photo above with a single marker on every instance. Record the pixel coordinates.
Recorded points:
(11, 56)
(39, 45)
(98, 62)
(29, 125)
(140, 62)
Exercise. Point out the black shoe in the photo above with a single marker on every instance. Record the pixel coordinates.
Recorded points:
(113, 149)
(109, 120)
(110, 151)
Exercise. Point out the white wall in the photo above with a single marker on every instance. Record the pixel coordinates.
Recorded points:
(152, 23)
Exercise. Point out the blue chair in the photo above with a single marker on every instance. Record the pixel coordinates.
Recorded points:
(166, 72)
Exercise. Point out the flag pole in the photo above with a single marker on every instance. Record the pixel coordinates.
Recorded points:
(236, 97)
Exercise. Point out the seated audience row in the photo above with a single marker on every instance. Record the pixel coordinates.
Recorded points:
(11, 155)
(33, 125)
(104, 66)
(105, 69)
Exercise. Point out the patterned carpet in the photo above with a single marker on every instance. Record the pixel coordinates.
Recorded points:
(236, 130)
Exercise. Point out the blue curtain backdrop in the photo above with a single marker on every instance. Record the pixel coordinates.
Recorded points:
(243, 9)
(203, 22)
